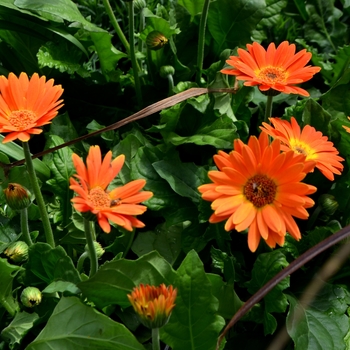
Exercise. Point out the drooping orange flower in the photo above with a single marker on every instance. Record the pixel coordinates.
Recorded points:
(119, 205)
(258, 188)
(26, 104)
(319, 152)
(153, 304)
(278, 69)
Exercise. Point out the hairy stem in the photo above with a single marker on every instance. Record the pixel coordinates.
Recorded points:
(91, 248)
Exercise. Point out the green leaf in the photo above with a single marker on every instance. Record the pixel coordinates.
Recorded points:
(19, 327)
(165, 240)
(61, 286)
(316, 116)
(193, 7)
(194, 323)
(74, 324)
(342, 62)
(231, 22)
(183, 178)
(115, 279)
(7, 274)
(49, 264)
(324, 323)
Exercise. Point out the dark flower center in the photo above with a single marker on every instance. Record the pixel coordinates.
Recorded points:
(260, 190)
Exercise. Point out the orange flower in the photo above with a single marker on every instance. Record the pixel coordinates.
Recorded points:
(153, 304)
(26, 104)
(278, 69)
(258, 188)
(319, 152)
(118, 205)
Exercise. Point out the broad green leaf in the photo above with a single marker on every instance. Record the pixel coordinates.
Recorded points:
(74, 325)
(47, 264)
(19, 327)
(231, 22)
(266, 266)
(62, 170)
(7, 274)
(316, 116)
(115, 279)
(194, 323)
(193, 7)
(165, 240)
(183, 178)
(342, 62)
(61, 286)
(324, 323)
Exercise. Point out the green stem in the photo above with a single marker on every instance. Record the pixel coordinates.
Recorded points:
(155, 339)
(91, 248)
(38, 196)
(6, 305)
(170, 84)
(24, 227)
(201, 40)
(81, 261)
(268, 110)
(115, 25)
(314, 217)
(135, 67)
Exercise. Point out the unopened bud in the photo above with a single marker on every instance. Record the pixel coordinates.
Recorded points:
(17, 251)
(17, 196)
(166, 70)
(98, 248)
(31, 296)
(328, 204)
(156, 40)
(139, 4)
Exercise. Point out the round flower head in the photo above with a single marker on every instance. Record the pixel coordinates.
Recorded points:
(153, 304)
(319, 152)
(278, 69)
(26, 104)
(119, 205)
(258, 188)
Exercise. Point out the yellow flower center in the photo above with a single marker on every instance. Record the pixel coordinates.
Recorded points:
(260, 190)
(302, 148)
(272, 75)
(99, 198)
(23, 119)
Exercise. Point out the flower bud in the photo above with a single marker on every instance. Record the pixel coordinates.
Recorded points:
(99, 249)
(166, 70)
(17, 251)
(17, 196)
(328, 204)
(156, 40)
(139, 4)
(31, 296)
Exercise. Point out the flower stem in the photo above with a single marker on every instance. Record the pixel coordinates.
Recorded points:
(115, 25)
(155, 339)
(170, 84)
(25, 228)
(201, 40)
(38, 196)
(81, 261)
(135, 67)
(268, 110)
(91, 248)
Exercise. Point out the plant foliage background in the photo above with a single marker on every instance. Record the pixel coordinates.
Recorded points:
(75, 43)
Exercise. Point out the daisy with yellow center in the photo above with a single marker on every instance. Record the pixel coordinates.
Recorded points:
(26, 104)
(153, 304)
(119, 205)
(277, 69)
(319, 152)
(258, 188)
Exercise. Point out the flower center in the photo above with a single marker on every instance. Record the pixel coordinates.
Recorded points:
(302, 148)
(22, 120)
(99, 198)
(260, 190)
(272, 75)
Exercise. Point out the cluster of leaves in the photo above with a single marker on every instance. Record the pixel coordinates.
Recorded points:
(213, 270)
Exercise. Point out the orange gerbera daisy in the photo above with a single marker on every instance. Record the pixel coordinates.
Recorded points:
(118, 205)
(258, 188)
(278, 69)
(26, 104)
(153, 304)
(319, 152)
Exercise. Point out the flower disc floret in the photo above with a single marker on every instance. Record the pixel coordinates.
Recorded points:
(256, 187)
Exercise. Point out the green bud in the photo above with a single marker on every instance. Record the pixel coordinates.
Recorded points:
(328, 204)
(17, 196)
(17, 251)
(156, 40)
(166, 70)
(31, 296)
(139, 4)
(99, 249)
